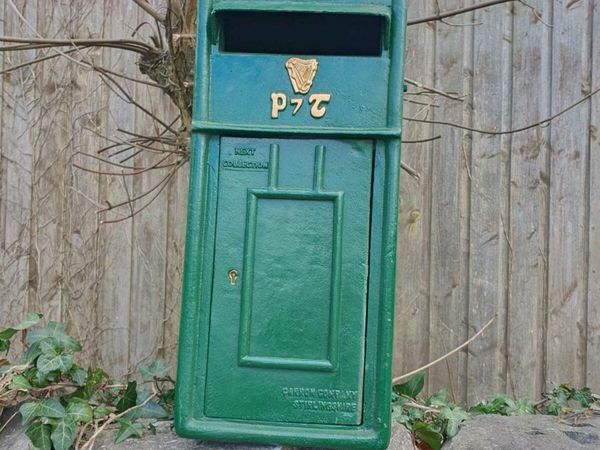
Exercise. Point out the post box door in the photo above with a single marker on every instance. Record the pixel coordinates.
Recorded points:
(288, 311)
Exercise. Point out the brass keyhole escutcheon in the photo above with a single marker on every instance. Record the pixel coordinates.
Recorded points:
(233, 276)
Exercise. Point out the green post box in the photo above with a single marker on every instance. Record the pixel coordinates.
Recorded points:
(288, 299)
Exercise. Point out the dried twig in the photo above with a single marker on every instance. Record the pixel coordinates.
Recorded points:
(422, 141)
(35, 61)
(447, 355)
(150, 10)
(433, 90)
(536, 13)
(129, 99)
(541, 123)
(126, 44)
(136, 171)
(5, 424)
(409, 170)
(458, 11)
(160, 186)
(113, 418)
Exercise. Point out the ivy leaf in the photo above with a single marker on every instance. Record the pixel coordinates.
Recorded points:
(20, 383)
(553, 408)
(52, 358)
(150, 410)
(30, 320)
(46, 408)
(128, 429)
(412, 387)
(79, 410)
(100, 412)
(28, 411)
(64, 433)
(129, 397)
(95, 378)
(33, 352)
(521, 407)
(156, 369)
(425, 433)
(39, 435)
(454, 417)
(499, 404)
(440, 398)
(51, 408)
(79, 376)
(583, 396)
(56, 332)
(168, 397)
(4, 345)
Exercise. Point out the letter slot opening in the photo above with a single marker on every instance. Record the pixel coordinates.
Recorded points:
(301, 33)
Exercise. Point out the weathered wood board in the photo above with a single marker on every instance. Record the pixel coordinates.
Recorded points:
(504, 225)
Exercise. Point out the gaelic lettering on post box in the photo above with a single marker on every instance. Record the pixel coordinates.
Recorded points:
(302, 72)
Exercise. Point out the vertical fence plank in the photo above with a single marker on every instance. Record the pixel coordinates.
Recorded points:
(51, 143)
(16, 111)
(4, 308)
(177, 215)
(566, 337)
(489, 205)
(115, 240)
(529, 200)
(593, 296)
(452, 237)
(412, 278)
(449, 206)
(149, 234)
(81, 234)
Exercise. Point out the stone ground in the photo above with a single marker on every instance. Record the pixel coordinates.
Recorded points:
(527, 433)
(481, 433)
(13, 438)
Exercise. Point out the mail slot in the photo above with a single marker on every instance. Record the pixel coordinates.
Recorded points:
(288, 296)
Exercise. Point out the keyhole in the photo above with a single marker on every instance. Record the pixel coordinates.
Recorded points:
(233, 276)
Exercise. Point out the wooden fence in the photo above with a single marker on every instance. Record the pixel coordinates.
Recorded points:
(504, 225)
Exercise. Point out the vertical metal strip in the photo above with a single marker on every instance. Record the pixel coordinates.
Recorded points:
(319, 168)
(274, 166)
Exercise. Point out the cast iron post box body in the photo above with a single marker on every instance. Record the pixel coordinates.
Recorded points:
(288, 298)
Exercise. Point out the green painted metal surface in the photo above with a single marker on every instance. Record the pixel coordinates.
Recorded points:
(287, 316)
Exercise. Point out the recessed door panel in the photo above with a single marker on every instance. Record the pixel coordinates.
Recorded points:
(288, 304)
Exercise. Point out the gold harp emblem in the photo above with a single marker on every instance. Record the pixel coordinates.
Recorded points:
(302, 73)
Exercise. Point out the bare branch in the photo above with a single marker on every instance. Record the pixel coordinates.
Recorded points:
(127, 44)
(458, 11)
(164, 182)
(536, 13)
(35, 61)
(112, 418)
(130, 201)
(433, 90)
(447, 355)
(129, 99)
(150, 10)
(422, 141)
(120, 75)
(409, 170)
(541, 123)
(137, 171)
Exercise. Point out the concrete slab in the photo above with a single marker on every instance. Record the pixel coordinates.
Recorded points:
(14, 438)
(527, 433)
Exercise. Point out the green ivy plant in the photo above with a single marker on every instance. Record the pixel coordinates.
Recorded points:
(65, 406)
(435, 419)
